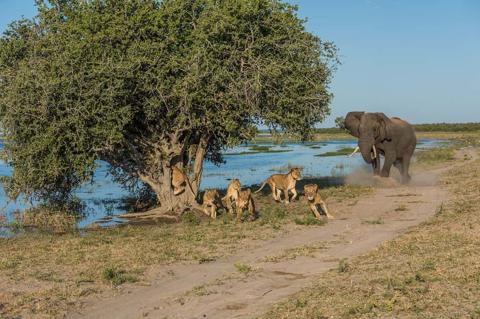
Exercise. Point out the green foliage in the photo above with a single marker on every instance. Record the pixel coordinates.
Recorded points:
(432, 127)
(140, 84)
(340, 122)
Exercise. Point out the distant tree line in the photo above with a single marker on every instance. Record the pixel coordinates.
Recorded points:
(431, 127)
(447, 127)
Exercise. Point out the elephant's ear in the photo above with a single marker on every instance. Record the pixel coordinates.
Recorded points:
(385, 132)
(352, 122)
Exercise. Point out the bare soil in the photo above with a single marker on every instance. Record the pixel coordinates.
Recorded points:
(248, 283)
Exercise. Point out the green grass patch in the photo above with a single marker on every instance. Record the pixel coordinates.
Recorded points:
(243, 268)
(116, 277)
(257, 149)
(339, 152)
(435, 155)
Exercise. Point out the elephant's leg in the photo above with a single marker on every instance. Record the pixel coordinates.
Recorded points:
(376, 165)
(405, 167)
(389, 160)
(399, 165)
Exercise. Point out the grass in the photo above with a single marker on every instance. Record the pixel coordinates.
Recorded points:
(60, 270)
(433, 271)
(116, 277)
(339, 152)
(435, 155)
(309, 221)
(243, 268)
(257, 149)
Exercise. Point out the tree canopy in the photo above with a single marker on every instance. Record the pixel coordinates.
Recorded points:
(146, 85)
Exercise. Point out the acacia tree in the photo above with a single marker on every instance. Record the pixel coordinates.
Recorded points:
(147, 85)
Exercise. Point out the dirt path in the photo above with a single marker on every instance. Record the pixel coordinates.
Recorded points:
(279, 267)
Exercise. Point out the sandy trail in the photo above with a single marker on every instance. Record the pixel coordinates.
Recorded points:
(218, 290)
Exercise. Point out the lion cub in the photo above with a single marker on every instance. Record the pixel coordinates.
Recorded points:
(314, 199)
(283, 182)
(231, 197)
(211, 199)
(245, 202)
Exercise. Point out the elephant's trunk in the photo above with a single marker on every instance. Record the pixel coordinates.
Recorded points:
(367, 149)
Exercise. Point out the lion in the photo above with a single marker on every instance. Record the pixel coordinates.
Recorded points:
(231, 197)
(179, 181)
(314, 199)
(245, 202)
(211, 199)
(283, 182)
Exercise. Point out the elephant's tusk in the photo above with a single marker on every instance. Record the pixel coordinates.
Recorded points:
(374, 156)
(354, 151)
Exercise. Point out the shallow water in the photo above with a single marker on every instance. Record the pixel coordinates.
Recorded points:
(102, 197)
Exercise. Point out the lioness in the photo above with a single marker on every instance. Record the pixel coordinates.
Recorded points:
(245, 202)
(231, 197)
(180, 181)
(283, 182)
(211, 199)
(314, 199)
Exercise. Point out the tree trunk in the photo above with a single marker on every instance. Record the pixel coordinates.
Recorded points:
(198, 164)
(162, 185)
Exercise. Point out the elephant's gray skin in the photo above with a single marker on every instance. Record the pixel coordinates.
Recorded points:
(393, 138)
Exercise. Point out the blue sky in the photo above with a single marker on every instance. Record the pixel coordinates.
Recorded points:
(417, 59)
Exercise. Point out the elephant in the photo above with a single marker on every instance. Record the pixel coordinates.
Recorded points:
(377, 134)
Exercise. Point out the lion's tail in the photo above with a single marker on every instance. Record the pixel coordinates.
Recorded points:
(261, 187)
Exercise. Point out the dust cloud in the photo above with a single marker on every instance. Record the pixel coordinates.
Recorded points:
(365, 177)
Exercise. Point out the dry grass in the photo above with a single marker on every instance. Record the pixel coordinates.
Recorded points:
(431, 272)
(47, 220)
(52, 273)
